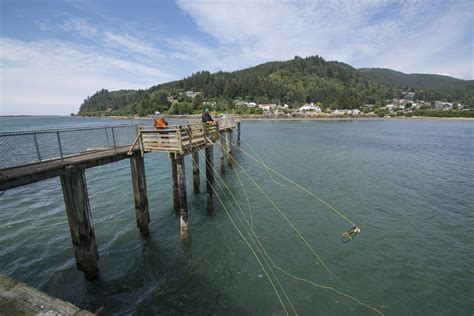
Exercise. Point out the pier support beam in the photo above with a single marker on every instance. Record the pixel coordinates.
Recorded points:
(210, 177)
(223, 143)
(196, 178)
(229, 146)
(80, 222)
(183, 202)
(238, 134)
(174, 176)
(137, 165)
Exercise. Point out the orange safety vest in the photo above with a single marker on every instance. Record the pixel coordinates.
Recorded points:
(160, 123)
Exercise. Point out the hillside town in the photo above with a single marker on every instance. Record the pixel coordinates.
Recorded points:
(407, 104)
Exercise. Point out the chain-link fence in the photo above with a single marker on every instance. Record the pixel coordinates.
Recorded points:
(30, 147)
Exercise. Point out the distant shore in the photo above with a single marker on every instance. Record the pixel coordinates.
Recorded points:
(307, 118)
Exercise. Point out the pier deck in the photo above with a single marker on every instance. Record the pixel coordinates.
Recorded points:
(38, 155)
(22, 175)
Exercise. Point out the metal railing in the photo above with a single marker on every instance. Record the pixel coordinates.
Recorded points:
(31, 147)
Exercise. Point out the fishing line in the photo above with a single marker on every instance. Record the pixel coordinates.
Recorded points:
(246, 241)
(270, 258)
(297, 185)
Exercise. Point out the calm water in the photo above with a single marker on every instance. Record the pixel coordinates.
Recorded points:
(407, 184)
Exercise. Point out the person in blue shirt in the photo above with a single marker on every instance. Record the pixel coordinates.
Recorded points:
(206, 117)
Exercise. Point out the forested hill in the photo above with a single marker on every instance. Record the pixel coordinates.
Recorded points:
(417, 81)
(293, 82)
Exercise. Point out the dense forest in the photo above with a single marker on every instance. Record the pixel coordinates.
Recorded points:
(295, 82)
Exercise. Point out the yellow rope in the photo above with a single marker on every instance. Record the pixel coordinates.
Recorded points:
(263, 248)
(248, 244)
(297, 185)
(270, 258)
(240, 219)
(258, 156)
(300, 235)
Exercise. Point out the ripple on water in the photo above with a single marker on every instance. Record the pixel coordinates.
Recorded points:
(405, 183)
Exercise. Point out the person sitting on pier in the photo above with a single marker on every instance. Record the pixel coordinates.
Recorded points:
(160, 121)
(206, 117)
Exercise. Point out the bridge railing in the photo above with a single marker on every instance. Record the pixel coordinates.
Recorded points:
(31, 147)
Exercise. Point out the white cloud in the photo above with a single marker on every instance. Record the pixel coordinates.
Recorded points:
(410, 36)
(54, 77)
(125, 42)
(80, 26)
(132, 44)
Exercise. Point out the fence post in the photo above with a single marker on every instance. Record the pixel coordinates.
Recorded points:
(107, 135)
(113, 137)
(37, 147)
(60, 146)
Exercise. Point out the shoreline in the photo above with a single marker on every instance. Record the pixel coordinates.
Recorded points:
(306, 118)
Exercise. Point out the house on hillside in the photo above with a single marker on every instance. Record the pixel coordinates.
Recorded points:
(355, 112)
(390, 107)
(310, 107)
(441, 105)
(267, 107)
(191, 94)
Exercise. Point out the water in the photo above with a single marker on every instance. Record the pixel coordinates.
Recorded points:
(407, 184)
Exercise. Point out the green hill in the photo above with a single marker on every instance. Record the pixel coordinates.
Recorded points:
(294, 82)
(418, 81)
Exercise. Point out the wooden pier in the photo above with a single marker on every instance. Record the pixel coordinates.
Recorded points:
(177, 140)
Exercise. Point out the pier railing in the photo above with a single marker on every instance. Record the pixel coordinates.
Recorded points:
(177, 138)
(36, 146)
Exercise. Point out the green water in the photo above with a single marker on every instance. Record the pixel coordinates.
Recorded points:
(407, 184)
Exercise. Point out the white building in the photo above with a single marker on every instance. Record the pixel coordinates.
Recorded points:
(310, 107)
(191, 94)
(266, 107)
(355, 112)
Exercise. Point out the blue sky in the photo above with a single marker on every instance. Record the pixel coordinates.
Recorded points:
(53, 54)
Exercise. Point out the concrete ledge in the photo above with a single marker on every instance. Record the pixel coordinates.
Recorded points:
(17, 298)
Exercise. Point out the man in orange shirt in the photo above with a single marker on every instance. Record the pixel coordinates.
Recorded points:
(160, 121)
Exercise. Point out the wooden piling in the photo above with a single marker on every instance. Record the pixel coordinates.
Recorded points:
(196, 178)
(140, 196)
(210, 177)
(223, 150)
(183, 202)
(229, 146)
(80, 222)
(238, 134)
(174, 177)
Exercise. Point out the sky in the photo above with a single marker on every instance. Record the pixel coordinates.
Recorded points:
(54, 54)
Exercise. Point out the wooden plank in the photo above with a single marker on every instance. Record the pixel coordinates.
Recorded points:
(137, 165)
(161, 138)
(155, 144)
(79, 217)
